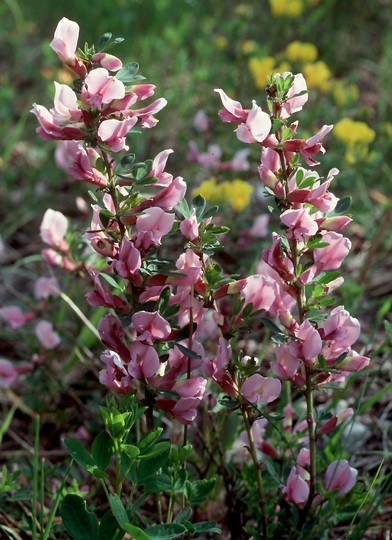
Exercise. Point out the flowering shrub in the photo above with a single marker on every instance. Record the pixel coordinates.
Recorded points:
(174, 331)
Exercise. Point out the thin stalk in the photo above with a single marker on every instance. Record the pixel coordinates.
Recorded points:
(252, 450)
(35, 478)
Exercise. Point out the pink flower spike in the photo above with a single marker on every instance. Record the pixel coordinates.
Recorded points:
(340, 476)
(256, 128)
(48, 338)
(258, 389)
(53, 228)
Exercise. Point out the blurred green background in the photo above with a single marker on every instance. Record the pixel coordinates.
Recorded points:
(188, 48)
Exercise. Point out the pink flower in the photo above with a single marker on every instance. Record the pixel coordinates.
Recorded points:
(189, 227)
(65, 40)
(256, 128)
(65, 108)
(128, 261)
(48, 338)
(294, 101)
(112, 335)
(200, 121)
(233, 111)
(101, 89)
(185, 410)
(15, 317)
(334, 421)
(193, 387)
(258, 290)
(286, 365)
(145, 357)
(115, 374)
(158, 168)
(171, 195)
(51, 130)
(113, 132)
(45, 287)
(308, 148)
(152, 225)
(299, 222)
(145, 115)
(190, 265)
(341, 329)
(340, 476)
(150, 326)
(107, 61)
(100, 296)
(258, 389)
(221, 360)
(353, 362)
(79, 162)
(309, 345)
(331, 257)
(297, 489)
(8, 373)
(53, 228)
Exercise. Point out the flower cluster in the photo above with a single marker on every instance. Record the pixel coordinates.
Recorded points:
(158, 312)
(300, 269)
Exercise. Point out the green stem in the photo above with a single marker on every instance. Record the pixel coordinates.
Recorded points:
(35, 478)
(253, 453)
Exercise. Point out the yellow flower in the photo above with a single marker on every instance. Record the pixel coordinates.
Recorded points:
(235, 193)
(344, 94)
(220, 42)
(352, 132)
(210, 191)
(291, 8)
(238, 194)
(317, 76)
(260, 69)
(298, 51)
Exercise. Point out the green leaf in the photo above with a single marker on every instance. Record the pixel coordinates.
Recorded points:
(327, 277)
(187, 352)
(108, 528)
(183, 208)
(136, 533)
(197, 492)
(104, 41)
(183, 515)
(112, 282)
(342, 206)
(203, 527)
(271, 326)
(79, 454)
(156, 449)
(127, 74)
(118, 510)
(148, 467)
(166, 531)
(130, 450)
(79, 523)
(156, 484)
(149, 439)
(199, 204)
(102, 450)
